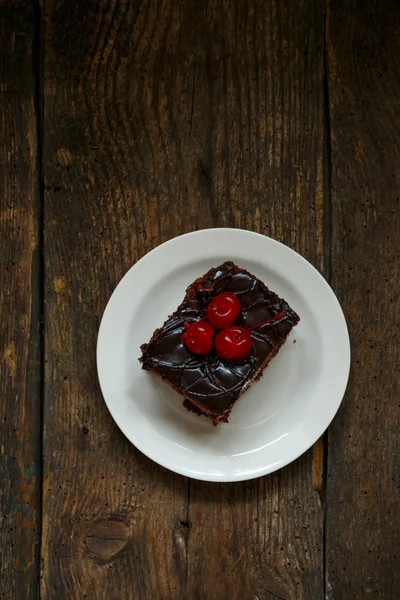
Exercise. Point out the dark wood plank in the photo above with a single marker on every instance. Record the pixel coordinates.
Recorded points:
(20, 405)
(258, 125)
(161, 118)
(111, 518)
(363, 494)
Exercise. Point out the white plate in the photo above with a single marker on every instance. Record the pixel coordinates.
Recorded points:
(281, 415)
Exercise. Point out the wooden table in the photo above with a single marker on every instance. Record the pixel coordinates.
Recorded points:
(123, 124)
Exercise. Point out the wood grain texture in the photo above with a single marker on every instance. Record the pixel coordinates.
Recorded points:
(258, 110)
(112, 519)
(164, 117)
(20, 405)
(363, 493)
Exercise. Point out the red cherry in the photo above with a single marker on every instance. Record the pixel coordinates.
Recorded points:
(223, 310)
(233, 343)
(198, 337)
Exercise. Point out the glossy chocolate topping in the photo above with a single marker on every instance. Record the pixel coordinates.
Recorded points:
(208, 380)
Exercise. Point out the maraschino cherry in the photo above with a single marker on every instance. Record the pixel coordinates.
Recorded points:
(223, 310)
(198, 337)
(233, 343)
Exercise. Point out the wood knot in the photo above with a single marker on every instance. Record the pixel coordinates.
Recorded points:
(107, 538)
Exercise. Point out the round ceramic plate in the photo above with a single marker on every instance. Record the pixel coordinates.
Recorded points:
(280, 416)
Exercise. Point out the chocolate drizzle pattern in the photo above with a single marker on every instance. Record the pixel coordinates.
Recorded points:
(207, 380)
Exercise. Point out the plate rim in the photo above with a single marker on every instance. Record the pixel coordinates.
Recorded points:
(156, 457)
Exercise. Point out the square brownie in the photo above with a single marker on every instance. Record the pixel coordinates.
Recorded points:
(209, 384)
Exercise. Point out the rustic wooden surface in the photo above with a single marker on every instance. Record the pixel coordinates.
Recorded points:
(20, 404)
(146, 110)
(162, 117)
(363, 491)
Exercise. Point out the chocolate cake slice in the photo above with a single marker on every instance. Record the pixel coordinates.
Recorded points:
(209, 384)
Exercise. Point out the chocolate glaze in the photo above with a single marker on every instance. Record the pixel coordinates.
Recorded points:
(210, 383)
